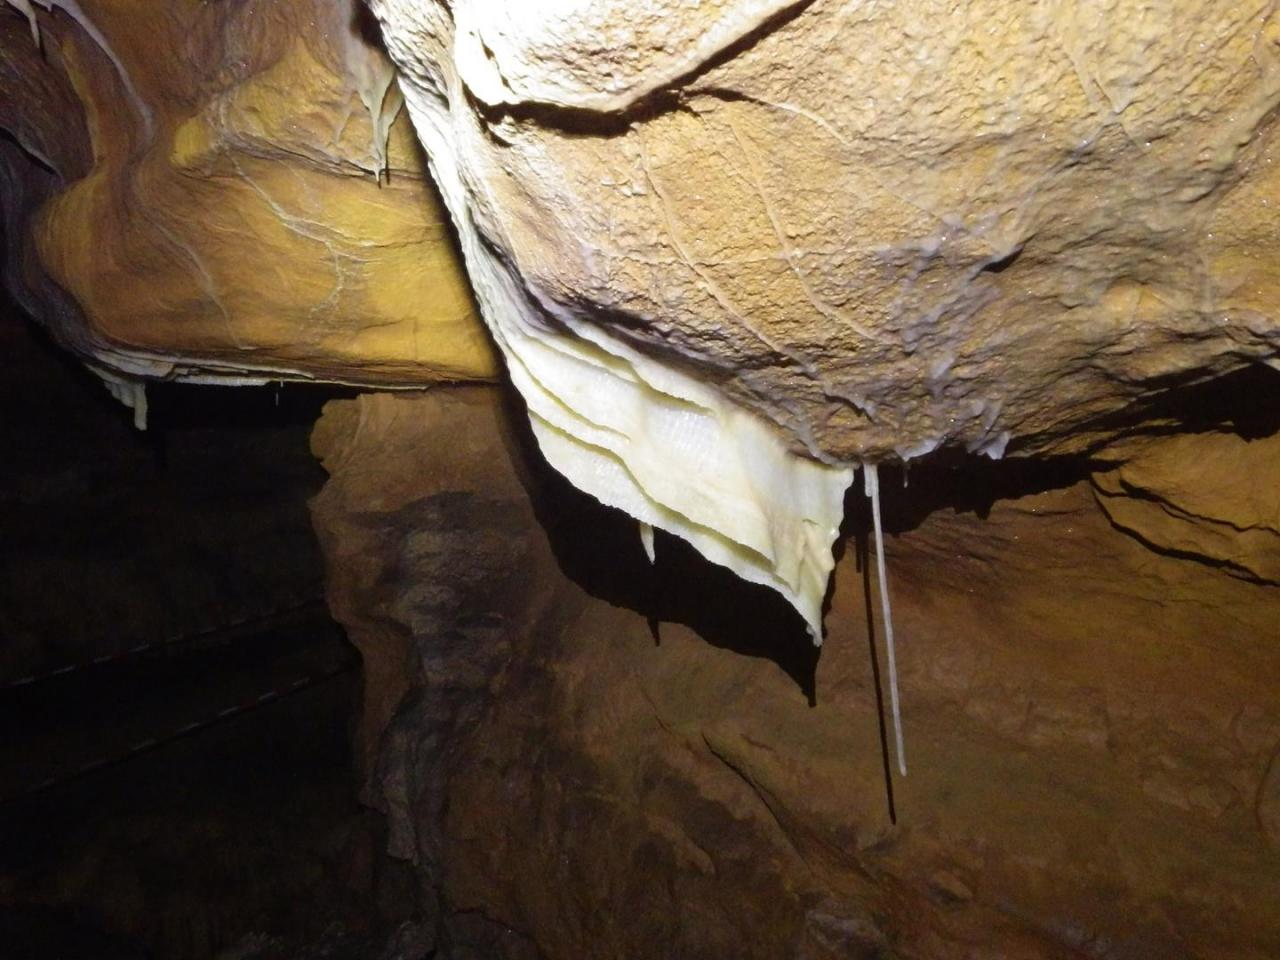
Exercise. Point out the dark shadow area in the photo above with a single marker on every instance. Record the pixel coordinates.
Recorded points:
(970, 484)
(599, 548)
(572, 121)
(176, 768)
(186, 406)
(1229, 403)
(8, 138)
(1003, 263)
(247, 826)
(365, 25)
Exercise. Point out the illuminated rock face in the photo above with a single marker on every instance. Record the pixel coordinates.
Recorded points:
(251, 203)
(1209, 497)
(732, 250)
(883, 227)
(729, 251)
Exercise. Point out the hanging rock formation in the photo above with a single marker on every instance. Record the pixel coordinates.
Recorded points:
(226, 191)
(881, 227)
(784, 238)
(729, 252)
(751, 243)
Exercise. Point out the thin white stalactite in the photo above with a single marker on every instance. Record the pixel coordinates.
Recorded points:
(871, 483)
(646, 541)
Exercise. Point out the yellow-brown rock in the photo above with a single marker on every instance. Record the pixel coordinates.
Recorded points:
(883, 227)
(589, 756)
(228, 189)
(1210, 496)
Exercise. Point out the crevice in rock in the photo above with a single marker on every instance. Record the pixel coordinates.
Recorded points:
(603, 123)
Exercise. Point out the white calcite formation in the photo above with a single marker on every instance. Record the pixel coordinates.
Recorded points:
(638, 433)
(731, 250)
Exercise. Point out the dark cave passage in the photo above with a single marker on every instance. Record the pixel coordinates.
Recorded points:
(176, 773)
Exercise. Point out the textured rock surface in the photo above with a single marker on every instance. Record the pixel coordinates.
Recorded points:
(883, 227)
(759, 242)
(1211, 496)
(217, 210)
(730, 251)
(590, 757)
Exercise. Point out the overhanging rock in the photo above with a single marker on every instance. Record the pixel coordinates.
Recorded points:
(731, 251)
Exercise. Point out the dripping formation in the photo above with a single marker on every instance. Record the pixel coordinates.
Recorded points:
(871, 484)
(620, 425)
(625, 428)
(73, 10)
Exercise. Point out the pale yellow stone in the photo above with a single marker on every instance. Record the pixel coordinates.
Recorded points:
(252, 234)
(886, 227)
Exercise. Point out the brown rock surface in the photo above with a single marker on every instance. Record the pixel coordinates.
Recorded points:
(730, 251)
(1213, 496)
(882, 227)
(589, 757)
(203, 180)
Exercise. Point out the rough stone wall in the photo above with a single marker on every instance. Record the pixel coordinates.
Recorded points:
(883, 227)
(590, 757)
(1210, 497)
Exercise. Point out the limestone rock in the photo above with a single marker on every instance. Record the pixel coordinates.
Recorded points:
(765, 239)
(250, 204)
(1212, 496)
(586, 755)
(883, 228)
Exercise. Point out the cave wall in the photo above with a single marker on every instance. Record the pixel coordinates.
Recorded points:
(586, 755)
(732, 252)
(728, 253)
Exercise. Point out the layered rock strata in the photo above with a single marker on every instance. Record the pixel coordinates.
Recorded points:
(588, 756)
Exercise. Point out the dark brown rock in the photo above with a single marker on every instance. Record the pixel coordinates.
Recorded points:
(1210, 496)
(589, 757)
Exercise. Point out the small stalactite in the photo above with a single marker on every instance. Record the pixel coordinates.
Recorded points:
(73, 10)
(871, 484)
(646, 541)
